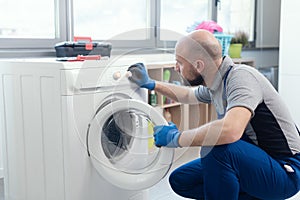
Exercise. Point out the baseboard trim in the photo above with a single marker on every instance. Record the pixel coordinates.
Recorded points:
(1, 173)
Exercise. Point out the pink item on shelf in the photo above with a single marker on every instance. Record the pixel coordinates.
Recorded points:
(210, 26)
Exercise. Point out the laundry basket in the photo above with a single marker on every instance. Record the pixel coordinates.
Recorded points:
(224, 41)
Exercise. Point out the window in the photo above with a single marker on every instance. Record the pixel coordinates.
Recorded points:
(237, 15)
(31, 23)
(178, 16)
(116, 20)
(42, 19)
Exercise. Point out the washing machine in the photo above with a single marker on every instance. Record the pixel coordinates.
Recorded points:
(77, 131)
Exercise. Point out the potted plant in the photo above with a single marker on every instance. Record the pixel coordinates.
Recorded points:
(239, 40)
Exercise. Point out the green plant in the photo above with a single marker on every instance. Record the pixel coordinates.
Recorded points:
(240, 37)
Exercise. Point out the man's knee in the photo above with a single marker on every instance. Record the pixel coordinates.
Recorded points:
(223, 153)
(175, 180)
(185, 186)
(214, 151)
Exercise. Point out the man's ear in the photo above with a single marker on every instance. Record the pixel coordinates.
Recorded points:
(199, 65)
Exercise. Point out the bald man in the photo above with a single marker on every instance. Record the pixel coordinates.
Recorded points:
(252, 151)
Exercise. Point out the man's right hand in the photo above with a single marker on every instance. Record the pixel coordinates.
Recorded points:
(166, 135)
(140, 76)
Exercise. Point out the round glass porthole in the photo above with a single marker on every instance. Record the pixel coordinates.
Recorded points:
(121, 145)
(127, 141)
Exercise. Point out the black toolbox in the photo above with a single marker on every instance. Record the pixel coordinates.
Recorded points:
(82, 46)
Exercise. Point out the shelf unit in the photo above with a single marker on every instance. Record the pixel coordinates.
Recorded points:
(176, 109)
(183, 115)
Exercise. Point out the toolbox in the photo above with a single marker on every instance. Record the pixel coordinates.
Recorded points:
(82, 46)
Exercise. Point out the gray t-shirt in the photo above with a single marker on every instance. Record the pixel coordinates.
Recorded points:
(271, 126)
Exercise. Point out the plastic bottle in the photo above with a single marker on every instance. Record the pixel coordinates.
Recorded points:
(167, 115)
(153, 98)
(167, 75)
(166, 78)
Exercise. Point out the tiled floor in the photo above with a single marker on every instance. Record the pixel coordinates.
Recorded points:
(162, 190)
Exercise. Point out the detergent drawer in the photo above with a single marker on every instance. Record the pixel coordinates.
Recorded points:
(89, 80)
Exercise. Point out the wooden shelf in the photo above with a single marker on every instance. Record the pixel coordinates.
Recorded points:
(184, 116)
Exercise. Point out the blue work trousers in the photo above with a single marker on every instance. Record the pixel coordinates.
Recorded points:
(238, 170)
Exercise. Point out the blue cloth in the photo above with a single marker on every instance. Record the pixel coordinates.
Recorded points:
(238, 170)
(140, 76)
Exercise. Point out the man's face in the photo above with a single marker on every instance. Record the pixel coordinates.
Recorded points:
(188, 72)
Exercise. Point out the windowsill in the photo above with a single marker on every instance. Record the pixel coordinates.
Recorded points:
(29, 53)
(259, 48)
(25, 53)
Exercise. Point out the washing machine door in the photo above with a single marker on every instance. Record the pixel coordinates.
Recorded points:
(121, 146)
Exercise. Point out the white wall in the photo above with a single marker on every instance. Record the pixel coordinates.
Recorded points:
(289, 67)
(1, 156)
(267, 23)
(263, 57)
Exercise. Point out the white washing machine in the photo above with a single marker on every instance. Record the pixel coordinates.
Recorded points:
(77, 131)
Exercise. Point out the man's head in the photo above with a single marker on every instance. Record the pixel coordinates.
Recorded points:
(198, 56)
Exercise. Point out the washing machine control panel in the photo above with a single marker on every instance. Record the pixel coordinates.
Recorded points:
(92, 79)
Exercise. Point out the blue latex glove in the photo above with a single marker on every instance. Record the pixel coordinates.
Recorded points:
(166, 135)
(140, 76)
